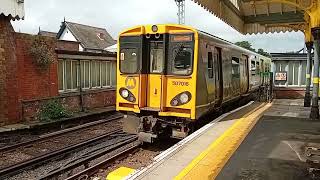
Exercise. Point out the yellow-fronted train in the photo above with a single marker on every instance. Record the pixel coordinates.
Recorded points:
(169, 76)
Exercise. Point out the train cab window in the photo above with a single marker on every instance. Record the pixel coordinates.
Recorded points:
(182, 61)
(129, 60)
(156, 58)
(235, 67)
(210, 65)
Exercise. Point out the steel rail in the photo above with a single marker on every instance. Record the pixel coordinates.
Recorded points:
(28, 164)
(55, 134)
(91, 170)
(86, 160)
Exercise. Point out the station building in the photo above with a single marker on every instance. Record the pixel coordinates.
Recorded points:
(294, 66)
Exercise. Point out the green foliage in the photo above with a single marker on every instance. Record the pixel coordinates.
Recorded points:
(263, 53)
(52, 110)
(41, 53)
(247, 45)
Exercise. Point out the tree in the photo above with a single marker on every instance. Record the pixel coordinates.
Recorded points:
(246, 45)
(263, 53)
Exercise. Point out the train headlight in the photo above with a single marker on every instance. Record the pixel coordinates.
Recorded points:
(154, 28)
(181, 99)
(127, 95)
(184, 98)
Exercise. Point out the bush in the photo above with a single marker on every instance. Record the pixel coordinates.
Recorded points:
(52, 110)
(41, 53)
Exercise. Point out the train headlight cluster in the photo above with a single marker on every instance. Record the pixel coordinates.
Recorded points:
(127, 95)
(184, 98)
(181, 99)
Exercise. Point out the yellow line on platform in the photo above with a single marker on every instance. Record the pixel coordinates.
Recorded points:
(209, 163)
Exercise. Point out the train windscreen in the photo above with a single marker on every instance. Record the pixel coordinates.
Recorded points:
(181, 49)
(130, 58)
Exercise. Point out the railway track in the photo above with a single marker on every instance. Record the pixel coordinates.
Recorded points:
(111, 153)
(61, 132)
(26, 155)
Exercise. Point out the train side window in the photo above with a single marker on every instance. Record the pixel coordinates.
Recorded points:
(235, 67)
(210, 65)
(258, 68)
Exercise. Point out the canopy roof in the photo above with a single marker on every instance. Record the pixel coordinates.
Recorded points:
(260, 16)
(12, 8)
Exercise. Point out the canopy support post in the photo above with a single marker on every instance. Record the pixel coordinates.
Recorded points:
(307, 97)
(315, 90)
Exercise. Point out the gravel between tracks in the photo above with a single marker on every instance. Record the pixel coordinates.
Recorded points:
(45, 146)
(137, 159)
(39, 172)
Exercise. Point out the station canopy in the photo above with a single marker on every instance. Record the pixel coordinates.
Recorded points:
(260, 16)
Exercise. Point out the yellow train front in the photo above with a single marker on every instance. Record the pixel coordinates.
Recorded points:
(170, 75)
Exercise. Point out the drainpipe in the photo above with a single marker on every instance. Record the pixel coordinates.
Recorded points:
(307, 97)
(315, 90)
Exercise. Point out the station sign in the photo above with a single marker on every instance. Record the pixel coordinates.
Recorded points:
(281, 76)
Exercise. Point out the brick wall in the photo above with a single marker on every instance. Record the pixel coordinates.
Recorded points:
(24, 88)
(289, 93)
(68, 45)
(34, 82)
(91, 99)
(8, 74)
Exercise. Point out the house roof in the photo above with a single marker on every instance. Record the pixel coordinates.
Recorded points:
(90, 37)
(47, 33)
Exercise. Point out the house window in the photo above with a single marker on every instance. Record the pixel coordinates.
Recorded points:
(94, 74)
(303, 73)
(293, 73)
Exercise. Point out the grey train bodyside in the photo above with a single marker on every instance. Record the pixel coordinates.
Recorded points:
(225, 73)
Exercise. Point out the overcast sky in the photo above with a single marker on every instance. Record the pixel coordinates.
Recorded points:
(116, 15)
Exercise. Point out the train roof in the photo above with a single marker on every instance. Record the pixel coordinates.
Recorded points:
(232, 44)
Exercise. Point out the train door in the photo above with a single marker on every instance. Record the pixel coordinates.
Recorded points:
(156, 67)
(245, 75)
(218, 75)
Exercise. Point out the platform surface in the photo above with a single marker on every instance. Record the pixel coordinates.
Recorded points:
(171, 164)
(259, 141)
(275, 147)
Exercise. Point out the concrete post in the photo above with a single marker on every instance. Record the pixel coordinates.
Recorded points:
(307, 97)
(315, 107)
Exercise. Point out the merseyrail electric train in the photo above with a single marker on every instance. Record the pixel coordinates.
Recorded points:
(168, 76)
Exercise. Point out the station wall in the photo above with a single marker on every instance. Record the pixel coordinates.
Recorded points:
(24, 88)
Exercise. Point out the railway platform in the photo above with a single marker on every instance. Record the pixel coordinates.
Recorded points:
(257, 141)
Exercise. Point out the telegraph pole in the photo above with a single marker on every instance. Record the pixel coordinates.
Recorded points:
(181, 10)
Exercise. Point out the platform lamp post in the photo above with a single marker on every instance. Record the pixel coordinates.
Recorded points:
(307, 97)
(315, 106)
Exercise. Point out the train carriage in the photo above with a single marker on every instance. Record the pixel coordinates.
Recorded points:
(169, 76)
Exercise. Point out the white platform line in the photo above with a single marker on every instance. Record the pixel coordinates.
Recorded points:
(170, 152)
